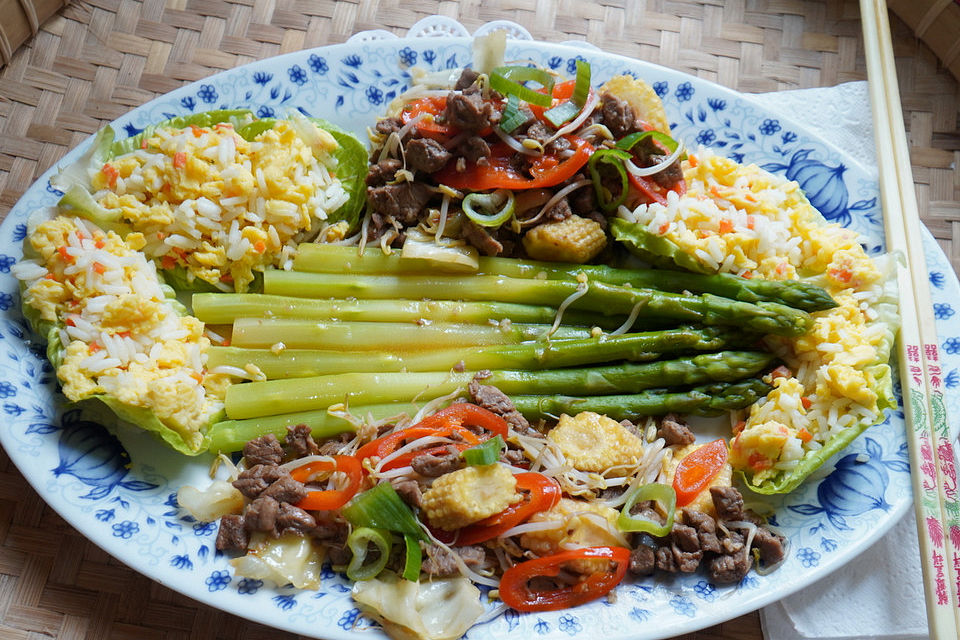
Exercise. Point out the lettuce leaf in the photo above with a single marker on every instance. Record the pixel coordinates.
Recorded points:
(652, 248)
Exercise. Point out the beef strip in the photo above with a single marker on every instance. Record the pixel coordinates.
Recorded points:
(466, 110)
(731, 543)
(424, 154)
(386, 126)
(338, 555)
(261, 515)
(263, 450)
(512, 457)
(300, 442)
(558, 212)
(632, 428)
(328, 528)
(286, 489)
(434, 465)
(383, 172)
(404, 201)
(496, 401)
(618, 116)
(480, 238)
(643, 560)
(583, 200)
(232, 535)
(255, 480)
(440, 562)
(674, 430)
(771, 546)
(685, 537)
(475, 149)
(669, 177)
(706, 529)
(665, 560)
(729, 569)
(467, 77)
(409, 491)
(728, 502)
(295, 520)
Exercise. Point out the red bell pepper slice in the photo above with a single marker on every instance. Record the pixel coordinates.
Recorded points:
(697, 470)
(516, 593)
(434, 106)
(444, 423)
(498, 173)
(331, 498)
(540, 493)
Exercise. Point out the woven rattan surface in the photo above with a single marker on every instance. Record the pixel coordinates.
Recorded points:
(96, 60)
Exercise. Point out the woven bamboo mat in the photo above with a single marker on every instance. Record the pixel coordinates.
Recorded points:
(98, 59)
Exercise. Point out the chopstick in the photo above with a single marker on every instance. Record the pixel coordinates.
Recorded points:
(931, 453)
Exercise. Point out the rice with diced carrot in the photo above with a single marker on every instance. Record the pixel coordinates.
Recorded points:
(741, 219)
(220, 206)
(120, 332)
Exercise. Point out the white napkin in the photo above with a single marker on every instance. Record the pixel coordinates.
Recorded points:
(880, 593)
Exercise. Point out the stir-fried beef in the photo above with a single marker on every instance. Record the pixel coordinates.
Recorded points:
(643, 560)
(496, 401)
(263, 450)
(386, 126)
(434, 465)
(480, 238)
(728, 502)
(729, 569)
(329, 528)
(468, 111)
(558, 212)
(294, 520)
(647, 153)
(285, 489)
(583, 200)
(408, 490)
(261, 515)
(233, 535)
(674, 430)
(771, 546)
(424, 154)
(383, 172)
(475, 149)
(404, 201)
(706, 529)
(300, 442)
(632, 428)
(669, 177)
(685, 537)
(255, 480)
(467, 78)
(440, 562)
(618, 116)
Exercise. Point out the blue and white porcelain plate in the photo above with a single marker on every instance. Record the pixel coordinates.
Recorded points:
(121, 495)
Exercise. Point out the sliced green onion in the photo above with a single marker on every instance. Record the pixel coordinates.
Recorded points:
(507, 80)
(663, 494)
(359, 543)
(485, 453)
(382, 508)
(566, 111)
(629, 142)
(494, 208)
(614, 158)
(512, 117)
(414, 557)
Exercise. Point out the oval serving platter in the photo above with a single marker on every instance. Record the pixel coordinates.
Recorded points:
(121, 495)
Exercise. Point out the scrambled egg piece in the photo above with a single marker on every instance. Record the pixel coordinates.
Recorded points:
(703, 502)
(221, 207)
(593, 442)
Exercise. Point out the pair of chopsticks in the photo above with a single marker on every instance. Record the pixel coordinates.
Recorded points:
(931, 453)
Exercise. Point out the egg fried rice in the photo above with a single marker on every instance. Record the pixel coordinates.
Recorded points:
(116, 329)
(220, 206)
(741, 219)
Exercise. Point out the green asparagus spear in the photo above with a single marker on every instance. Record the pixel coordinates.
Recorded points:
(224, 308)
(401, 336)
(794, 293)
(297, 363)
(304, 394)
(761, 317)
(712, 399)
(231, 435)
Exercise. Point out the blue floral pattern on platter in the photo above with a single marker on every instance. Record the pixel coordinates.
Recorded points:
(121, 495)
